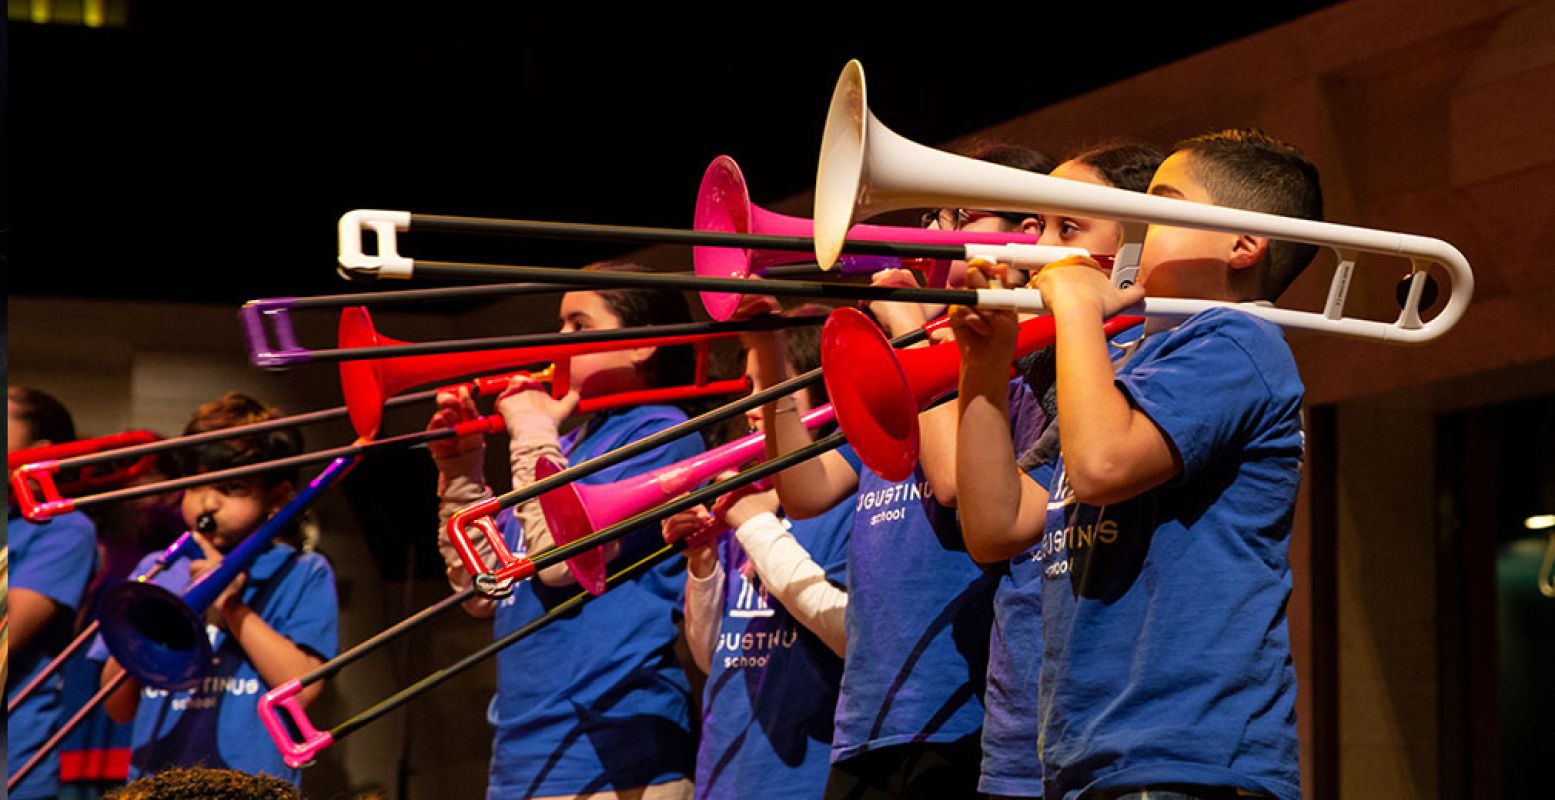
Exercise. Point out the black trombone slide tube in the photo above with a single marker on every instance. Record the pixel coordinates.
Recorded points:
(430, 682)
(439, 294)
(436, 223)
(362, 448)
(670, 434)
(825, 290)
(770, 323)
(561, 553)
(180, 442)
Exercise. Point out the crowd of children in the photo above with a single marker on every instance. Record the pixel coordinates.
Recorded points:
(1078, 593)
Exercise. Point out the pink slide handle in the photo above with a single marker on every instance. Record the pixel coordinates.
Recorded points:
(296, 754)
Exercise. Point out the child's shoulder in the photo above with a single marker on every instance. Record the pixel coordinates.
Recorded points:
(1234, 334)
(313, 561)
(1232, 322)
(291, 564)
(1226, 346)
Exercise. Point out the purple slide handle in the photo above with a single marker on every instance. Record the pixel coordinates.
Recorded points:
(287, 352)
(294, 754)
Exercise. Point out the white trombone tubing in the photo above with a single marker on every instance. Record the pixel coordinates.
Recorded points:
(1029, 301)
(885, 172)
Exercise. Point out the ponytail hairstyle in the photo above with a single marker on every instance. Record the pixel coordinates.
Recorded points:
(1122, 164)
(636, 308)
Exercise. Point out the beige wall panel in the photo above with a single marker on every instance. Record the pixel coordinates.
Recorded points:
(1386, 577)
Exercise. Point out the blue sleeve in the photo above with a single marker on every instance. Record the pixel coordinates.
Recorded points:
(851, 456)
(826, 539)
(313, 619)
(1205, 392)
(639, 427)
(1027, 419)
(1043, 475)
(57, 560)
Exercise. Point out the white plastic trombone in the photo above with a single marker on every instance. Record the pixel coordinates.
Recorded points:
(866, 169)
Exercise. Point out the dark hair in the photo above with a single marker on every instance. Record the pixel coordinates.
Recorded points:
(203, 783)
(45, 416)
(669, 366)
(229, 411)
(1248, 169)
(1122, 164)
(1011, 155)
(802, 345)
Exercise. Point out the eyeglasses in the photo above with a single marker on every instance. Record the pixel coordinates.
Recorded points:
(954, 219)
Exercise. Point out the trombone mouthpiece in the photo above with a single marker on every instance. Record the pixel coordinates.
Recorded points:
(205, 523)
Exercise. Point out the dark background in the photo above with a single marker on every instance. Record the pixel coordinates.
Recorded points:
(202, 152)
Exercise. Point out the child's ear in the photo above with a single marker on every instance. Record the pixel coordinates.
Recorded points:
(640, 356)
(1247, 251)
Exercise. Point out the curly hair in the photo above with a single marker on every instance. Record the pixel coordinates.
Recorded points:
(229, 411)
(204, 783)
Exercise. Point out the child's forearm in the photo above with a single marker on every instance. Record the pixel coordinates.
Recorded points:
(809, 488)
(276, 658)
(1111, 451)
(791, 575)
(993, 504)
(937, 451)
(704, 608)
(460, 483)
(122, 704)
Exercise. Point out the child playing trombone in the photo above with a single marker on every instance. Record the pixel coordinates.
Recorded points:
(596, 704)
(765, 620)
(273, 623)
(1161, 534)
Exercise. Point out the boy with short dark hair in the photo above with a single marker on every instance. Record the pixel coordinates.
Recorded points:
(1162, 530)
(274, 622)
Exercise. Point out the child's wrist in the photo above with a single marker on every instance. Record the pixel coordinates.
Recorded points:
(1069, 304)
(981, 358)
(762, 340)
(531, 426)
(233, 612)
(701, 563)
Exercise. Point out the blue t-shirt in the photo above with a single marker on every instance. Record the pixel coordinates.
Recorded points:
(771, 696)
(597, 701)
(918, 617)
(1167, 658)
(1010, 763)
(55, 559)
(216, 723)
